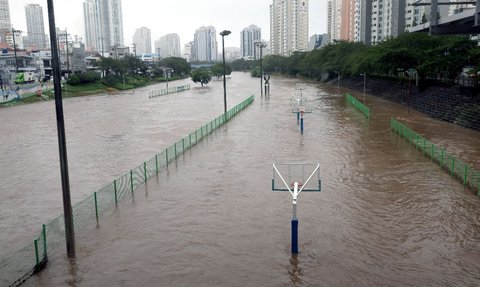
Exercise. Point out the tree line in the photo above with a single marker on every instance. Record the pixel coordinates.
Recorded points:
(429, 56)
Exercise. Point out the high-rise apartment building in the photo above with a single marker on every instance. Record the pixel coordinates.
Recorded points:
(35, 27)
(103, 22)
(205, 44)
(91, 26)
(248, 37)
(334, 19)
(388, 19)
(288, 26)
(459, 8)
(169, 46)
(143, 41)
(347, 26)
(5, 24)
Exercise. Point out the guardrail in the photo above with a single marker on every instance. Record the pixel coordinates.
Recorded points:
(20, 265)
(357, 104)
(469, 176)
(171, 90)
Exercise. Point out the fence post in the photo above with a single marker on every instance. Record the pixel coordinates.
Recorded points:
(453, 165)
(166, 157)
(183, 145)
(115, 190)
(44, 235)
(465, 174)
(145, 171)
(96, 204)
(37, 258)
(175, 150)
(423, 151)
(131, 180)
(190, 140)
(156, 163)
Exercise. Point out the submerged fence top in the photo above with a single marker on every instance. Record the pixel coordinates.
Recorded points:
(468, 175)
(18, 266)
(357, 104)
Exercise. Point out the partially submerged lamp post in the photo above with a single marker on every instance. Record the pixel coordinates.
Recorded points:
(67, 205)
(223, 34)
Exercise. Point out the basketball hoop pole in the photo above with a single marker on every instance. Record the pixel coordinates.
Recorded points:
(296, 191)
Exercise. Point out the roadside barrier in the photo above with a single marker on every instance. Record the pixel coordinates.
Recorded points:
(171, 90)
(357, 104)
(469, 176)
(17, 267)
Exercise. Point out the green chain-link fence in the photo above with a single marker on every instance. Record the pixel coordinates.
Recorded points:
(469, 176)
(15, 268)
(357, 104)
(171, 90)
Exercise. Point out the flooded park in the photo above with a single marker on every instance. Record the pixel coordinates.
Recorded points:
(386, 215)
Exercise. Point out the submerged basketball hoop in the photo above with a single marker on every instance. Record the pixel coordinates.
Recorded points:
(302, 177)
(300, 106)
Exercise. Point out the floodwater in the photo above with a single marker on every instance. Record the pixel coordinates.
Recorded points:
(386, 216)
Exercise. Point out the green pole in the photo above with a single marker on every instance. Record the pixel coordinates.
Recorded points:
(96, 205)
(190, 140)
(423, 151)
(37, 258)
(183, 145)
(465, 175)
(166, 156)
(115, 190)
(175, 149)
(44, 234)
(453, 166)
(131, 180)
(145, 171)
(433, 151)
(156, 163)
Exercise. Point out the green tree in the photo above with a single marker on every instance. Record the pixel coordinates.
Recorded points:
(180, 66)
(201, 76)
(217, 70)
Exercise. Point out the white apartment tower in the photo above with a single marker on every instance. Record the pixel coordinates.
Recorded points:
(334, 19)
(5, 24)
(143, 41)
(35, 27)
(459, 8)
(91, 26)
(388, 19)
(205, 44)
(103, 22)
(169, 46)
(288, 26)
(248, 37)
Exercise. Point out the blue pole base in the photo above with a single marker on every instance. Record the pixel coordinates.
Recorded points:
(301, 125)
(295, 236)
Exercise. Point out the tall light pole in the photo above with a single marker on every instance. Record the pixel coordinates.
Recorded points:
(62, 146)
(15, 48)
(223, 34)
(261, 45)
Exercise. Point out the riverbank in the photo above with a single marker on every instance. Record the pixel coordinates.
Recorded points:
(70, 91)
(448, 103)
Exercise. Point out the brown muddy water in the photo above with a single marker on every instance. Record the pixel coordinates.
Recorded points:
(387, 216)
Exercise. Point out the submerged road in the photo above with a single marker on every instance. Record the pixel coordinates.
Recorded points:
(387, 216)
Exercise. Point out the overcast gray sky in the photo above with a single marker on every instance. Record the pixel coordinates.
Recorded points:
(174, 16)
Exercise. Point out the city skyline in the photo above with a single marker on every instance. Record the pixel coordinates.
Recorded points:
(190, 16)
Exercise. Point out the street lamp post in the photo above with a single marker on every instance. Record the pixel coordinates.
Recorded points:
(261, 45)
(223, 34)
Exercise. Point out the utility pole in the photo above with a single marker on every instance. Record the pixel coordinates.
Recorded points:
(68, 62)
(15, 49)
(62, 146)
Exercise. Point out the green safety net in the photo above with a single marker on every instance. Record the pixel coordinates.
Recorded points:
(18, 266)
(357, 104)
(171, 90)
(456, 167)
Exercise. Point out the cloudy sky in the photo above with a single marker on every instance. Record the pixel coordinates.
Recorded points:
(174, 16)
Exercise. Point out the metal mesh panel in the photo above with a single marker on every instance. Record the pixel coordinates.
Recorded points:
(455, 166)
(357, 104)
(171, 90)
